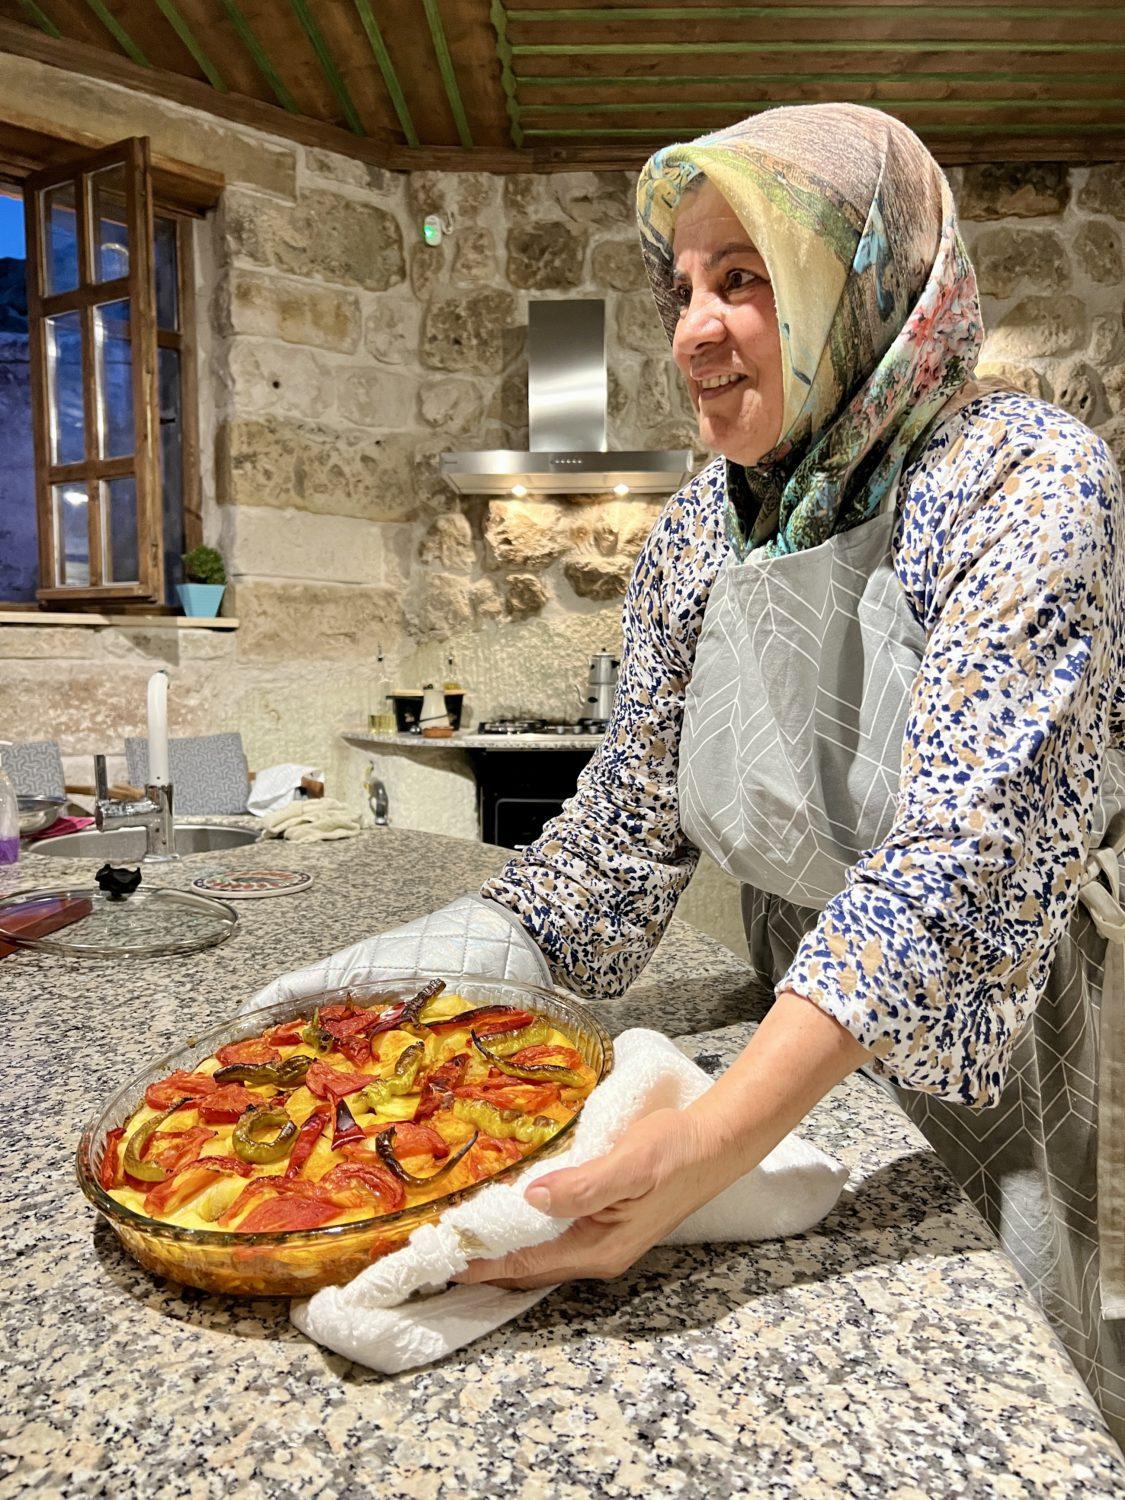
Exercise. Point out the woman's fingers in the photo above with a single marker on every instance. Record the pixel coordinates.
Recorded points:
(588, 1250)
(626, 1172)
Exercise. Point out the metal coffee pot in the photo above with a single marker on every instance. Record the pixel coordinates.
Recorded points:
(601, 684)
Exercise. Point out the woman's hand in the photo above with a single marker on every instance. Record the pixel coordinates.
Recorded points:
(662, 1169)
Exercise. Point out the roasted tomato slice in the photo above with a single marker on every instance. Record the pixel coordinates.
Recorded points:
(174, 1149)
(254, 1051)
(287, 1035)
(277, 1214)
(558, 1053)
(225, 1105)
(490, 1155)
(110, 1166)
(334, 1083)
(354, 1184)
(167, 1196)
(357, 1049)
(411, 1139)
(178, 1085)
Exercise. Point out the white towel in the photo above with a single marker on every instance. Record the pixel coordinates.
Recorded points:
(309, 819)
(371, 1321)
(277, 786)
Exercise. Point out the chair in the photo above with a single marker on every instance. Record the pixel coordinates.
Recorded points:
(209, 773)
(35, 768)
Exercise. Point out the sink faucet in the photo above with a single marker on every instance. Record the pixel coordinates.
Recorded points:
(152, 812)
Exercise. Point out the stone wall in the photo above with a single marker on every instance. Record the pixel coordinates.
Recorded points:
(340, 356)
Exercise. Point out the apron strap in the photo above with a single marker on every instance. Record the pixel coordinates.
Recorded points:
(1100, 894)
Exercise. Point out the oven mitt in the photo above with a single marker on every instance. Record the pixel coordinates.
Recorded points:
(469, 936)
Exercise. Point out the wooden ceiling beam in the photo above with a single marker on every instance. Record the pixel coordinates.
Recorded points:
(187, 36)
(258, 54)
(387, 70)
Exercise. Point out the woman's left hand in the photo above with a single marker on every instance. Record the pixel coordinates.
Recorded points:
(662, 1169)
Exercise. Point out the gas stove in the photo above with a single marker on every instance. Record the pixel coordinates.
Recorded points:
(541, 726)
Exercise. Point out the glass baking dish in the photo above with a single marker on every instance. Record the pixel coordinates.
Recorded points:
(296, 1263)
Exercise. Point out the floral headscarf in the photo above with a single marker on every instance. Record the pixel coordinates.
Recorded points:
(876, 302)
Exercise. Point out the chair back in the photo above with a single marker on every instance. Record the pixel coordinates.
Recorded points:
(209, 773)
(35, 768)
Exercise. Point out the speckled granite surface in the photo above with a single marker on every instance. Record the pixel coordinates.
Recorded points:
(467, 739)
(890, 1353)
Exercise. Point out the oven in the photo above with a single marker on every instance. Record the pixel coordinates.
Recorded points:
(520, 788)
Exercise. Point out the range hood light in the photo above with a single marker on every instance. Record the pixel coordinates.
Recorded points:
(567, 387)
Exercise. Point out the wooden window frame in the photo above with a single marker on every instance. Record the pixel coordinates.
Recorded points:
(146, 200)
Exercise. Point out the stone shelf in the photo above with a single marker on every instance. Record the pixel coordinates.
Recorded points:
(467, 740)
(76, 617)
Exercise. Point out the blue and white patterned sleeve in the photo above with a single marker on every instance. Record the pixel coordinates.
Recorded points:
(938, 949)
(597, 889)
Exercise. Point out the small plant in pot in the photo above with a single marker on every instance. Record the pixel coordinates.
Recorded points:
(206, 583)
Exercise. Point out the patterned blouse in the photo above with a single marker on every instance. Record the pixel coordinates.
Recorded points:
(938, 948)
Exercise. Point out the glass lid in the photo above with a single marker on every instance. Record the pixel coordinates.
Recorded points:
(85, 922)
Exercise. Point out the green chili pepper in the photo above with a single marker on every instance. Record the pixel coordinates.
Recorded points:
(384, 1146)
(543, 1073)
(249, 1147)
(287, 1074)
(506, 1042)
(147, 1171)
(315, 1036)
(505, 1124)
(401, 1081)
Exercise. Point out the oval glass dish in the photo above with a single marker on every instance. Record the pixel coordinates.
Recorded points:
(296, 1263)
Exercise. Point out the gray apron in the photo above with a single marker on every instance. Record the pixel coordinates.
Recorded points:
(789, 770)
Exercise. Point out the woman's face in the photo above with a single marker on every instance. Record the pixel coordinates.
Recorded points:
(727, 343)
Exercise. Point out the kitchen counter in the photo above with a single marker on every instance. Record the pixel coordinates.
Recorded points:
(891, 1352)
(467, 739)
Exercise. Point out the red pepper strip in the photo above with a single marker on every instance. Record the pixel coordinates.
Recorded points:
(111, 1158)
(182, 1146)
(513, 1019)
(357, 1049)
(345, 1129)
(437, 1089)
(528, 1098)
(279, 1214)
(354, 1184)
(225, 1105)
(334, 1083)
(563, 1054)
(254, 1050)
(287, 1035)
(307, 1137)
(385, 1146)
(175, 1191)
(178, 1085)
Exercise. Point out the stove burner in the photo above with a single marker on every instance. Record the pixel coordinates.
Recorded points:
(540, 726)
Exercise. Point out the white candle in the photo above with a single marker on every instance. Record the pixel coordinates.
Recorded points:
(158, 729)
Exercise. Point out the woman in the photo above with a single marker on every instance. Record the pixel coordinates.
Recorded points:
(872, 665)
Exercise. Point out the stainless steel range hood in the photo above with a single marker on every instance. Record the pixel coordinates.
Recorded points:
(566, 398)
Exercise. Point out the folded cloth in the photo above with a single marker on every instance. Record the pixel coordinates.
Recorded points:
(276, 786)
(370, 1320)
(309, 819)
(61, 825)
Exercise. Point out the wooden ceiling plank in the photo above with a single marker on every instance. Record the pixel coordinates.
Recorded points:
(817, 48)
(327, 64)
(780, 9)
(922, 28)
(544, 84)
(41, 20)
(508, 81)
(702, 127)
(411, 50)
(187, 36)
(387, 70)
(804, 90)
(1107, 63)
(260, 57)
(445, 68)
(472, 44)
(119, 34)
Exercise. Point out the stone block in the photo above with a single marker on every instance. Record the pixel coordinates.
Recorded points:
(449, 542)
(375, 398)
(601, 198)
(1023, 377)
(324, 236)
(466, 196)
(451, 405)
(1097, 246)
(1013, 190)
(474, 257)
(1007, 259)
(524, 534)
(267, 376)
(349, 171)
(1103, 192)
(1039, 327)
(390, 332)
(260, 542)
(618, 264)
(486, 601)
(57, 642)
(438, 605)
(1107, 338)
(298, 312)
(283, 464)
(1112, 434)
(523, 194)
(1113, 383)
(638, 324)
(592, 576)
(467, 332)
(527, 594)
(429, 270)
(322, 621)
(1078, 390)
(546, 257)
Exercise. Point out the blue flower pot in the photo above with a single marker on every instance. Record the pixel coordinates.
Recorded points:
(201, 600)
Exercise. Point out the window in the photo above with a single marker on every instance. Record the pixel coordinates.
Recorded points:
(97, 383)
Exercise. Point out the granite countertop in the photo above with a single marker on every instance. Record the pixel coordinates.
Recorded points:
(466, 739)
(891, 1352)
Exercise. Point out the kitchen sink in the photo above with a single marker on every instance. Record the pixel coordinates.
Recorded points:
(129, 843)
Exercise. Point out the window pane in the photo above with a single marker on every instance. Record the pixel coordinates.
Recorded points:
(119, 515)
(60, 238)
(64, 378)
(111, 228)
(72, 535)
(171, 468)
(115, 379)
(19, 544)
(167, 298)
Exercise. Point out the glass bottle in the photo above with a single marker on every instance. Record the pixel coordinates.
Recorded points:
(9, 822)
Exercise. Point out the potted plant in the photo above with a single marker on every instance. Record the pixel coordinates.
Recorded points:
(206, 582)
